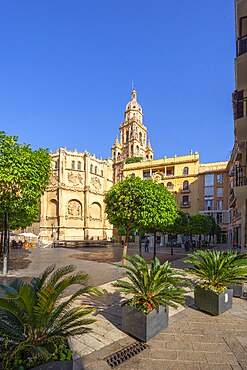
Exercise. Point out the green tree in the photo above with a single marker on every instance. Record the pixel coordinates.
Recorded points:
(159, 209)
(200, 225)
(181, 224)
(24, 176)
(139, 205)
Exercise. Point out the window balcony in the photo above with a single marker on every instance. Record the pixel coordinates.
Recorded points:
(239, 104)
(241, 46)
(185, 190)
(240, 178)
(185, 204)
(240, 182)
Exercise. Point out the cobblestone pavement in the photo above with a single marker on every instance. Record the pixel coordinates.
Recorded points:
(192, 341)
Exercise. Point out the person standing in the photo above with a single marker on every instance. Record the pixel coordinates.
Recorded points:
(146, 244)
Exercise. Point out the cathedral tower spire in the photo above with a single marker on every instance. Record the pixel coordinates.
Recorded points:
(133, 137)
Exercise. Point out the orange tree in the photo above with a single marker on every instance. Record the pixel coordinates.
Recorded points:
(24, 176)
(140, 205)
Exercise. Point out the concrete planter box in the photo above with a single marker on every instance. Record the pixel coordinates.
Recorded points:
(55, 365)
(211, 302)
(238, 290)
(141, 326)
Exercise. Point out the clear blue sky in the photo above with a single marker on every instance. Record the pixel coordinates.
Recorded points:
(66, 68)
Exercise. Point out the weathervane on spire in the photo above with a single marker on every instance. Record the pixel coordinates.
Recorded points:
(133, 85)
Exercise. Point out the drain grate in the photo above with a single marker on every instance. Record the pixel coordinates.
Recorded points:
(119, 357)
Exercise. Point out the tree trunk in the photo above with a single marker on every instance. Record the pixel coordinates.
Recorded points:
(6, 245)
(125, 248)
(154, 254)
(140, 243)
(1, 241)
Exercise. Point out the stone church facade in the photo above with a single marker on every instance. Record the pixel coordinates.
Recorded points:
(72, 207)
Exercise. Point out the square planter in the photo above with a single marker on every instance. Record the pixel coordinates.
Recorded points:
(141, 326)
(238, 290)
(211, 302)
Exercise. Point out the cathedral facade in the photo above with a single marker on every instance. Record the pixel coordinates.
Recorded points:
(72, 207)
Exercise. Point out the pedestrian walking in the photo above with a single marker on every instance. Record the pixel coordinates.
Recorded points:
(146, 244)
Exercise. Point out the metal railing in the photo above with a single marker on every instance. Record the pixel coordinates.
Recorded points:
(240, 178)
(239, 106)
(241, 46)
(184, 204)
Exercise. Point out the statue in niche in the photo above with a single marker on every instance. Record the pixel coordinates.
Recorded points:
(74, 208)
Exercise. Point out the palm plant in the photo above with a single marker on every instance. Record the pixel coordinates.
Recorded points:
(217, 269)
(150, 288)
(34, 320)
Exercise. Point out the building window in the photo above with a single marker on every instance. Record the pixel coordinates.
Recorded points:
(186, 185)
(208, 205)
(219, 205)
(220, 192)
(146, 174)
(96, 170)
(186, 170)
(102, 173)
(209, 192)
(79, 165)
(220, 178)
(73, 165)
(91, 168)
(133, 175)
(209, 180)
(185, 200)
(219, 218)
(169, 185)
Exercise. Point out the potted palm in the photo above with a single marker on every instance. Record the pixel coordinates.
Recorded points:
(238, 289)
(216, 270)
(35, 322)
(150, 292)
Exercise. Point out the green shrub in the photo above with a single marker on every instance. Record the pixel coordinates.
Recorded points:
(217, 269)
(35, 322)
(150, 288)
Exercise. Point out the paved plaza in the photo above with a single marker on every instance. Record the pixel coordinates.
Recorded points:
(193, 340)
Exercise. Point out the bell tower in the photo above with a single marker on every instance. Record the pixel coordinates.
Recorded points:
(133, 138)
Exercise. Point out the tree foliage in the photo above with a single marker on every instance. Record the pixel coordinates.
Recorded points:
(24, 176)
(200, 224)
(181, 224)
(140, 205)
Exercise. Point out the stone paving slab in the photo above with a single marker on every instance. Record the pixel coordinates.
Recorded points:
(193, 340)
(107, 329)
